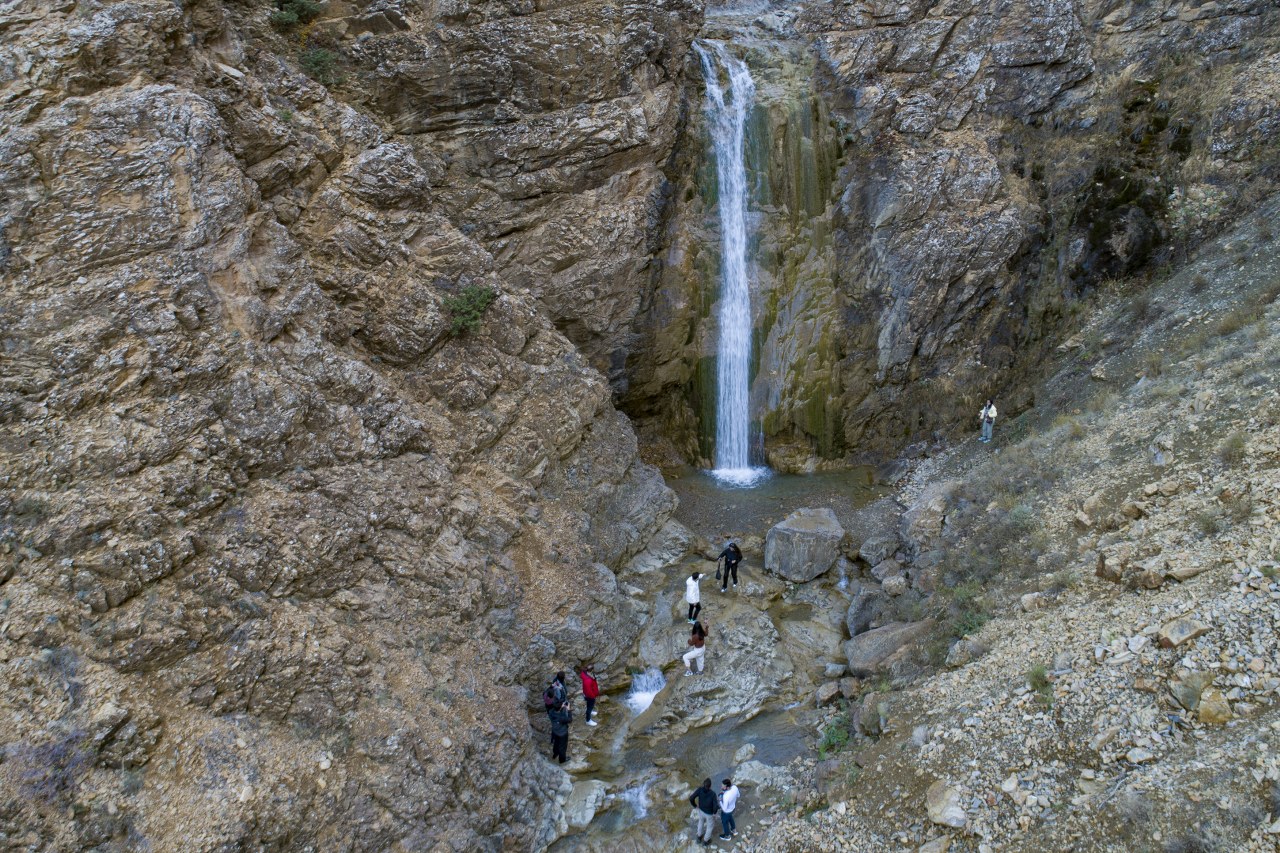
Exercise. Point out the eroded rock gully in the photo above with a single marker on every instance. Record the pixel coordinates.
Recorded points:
(282, 554)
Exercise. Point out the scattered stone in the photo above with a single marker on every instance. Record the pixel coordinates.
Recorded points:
(804, 545)
(937, 845)
(895, 586)
(965, 651)
(744, 753)
(877, 549)
(1187, 689)
(1031, 602)
(1139, 755)
(942, 802)
(886, 569)
(827, 693)
(1214, 709)
(850, 687)
(1178, 631)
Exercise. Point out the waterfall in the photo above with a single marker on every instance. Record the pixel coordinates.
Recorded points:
(637, 797)
(644, 686)
(727, 109)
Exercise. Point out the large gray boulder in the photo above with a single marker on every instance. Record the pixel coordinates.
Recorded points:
(804, 545)
(868, 606)
(868, 652)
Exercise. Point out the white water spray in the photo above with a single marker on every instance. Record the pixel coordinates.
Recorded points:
(644, 686)
(727, 109)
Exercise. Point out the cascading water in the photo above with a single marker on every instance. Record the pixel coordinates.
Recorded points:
(727, 109)
(644, 686)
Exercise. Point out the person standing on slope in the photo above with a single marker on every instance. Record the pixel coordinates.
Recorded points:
(732, 556)
(704, 803)
(988, 417)
(560, 719)
(590, 692)
(728, 802)
(693, 596)
(697, 649)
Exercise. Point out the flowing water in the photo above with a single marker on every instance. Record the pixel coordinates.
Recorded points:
(644, 686)
(730, 92)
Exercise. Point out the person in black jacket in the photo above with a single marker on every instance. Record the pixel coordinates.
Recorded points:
(705, 805)
(732, 555)
(560, 719)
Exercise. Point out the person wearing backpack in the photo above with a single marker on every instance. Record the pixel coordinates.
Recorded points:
(697, 649)
(561, 717)
(732, 556)
(704, 803)
(555, 695)
(590, 692)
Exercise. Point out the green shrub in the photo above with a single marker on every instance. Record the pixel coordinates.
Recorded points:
(468, 307)
(834, 736)
(1239, 508)
(1209, 523)
(1038, 680)
(969, 622)
(320, 64)
(290, 13)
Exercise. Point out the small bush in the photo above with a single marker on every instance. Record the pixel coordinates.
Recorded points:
(1038, 680)
(1209, 523)
(1239, 508)
(320, 64)
(834, 737)
(1270, 572)
(1232, 450)
(291, 13)
(969, 622)
(1153, 365)
(1199, 282)
(468, 307)
(1237, 319)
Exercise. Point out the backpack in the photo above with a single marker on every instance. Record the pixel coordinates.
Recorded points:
(549, 696)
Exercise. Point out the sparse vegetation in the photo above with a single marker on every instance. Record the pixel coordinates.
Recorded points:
(467, 309)
(1038, 681)
(291, 13)
(1233, 447)
(835, 735)
(320, 64)
(1208, 522)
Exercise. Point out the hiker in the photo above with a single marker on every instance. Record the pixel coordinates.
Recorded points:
(732, 555)
(697, 649)
(556, 693)
(704, 802)
(561, 717)
(590, 692)
(693, 595)
(728, 802)
(988, 417)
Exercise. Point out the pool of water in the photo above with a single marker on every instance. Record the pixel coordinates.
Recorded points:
(718, 509)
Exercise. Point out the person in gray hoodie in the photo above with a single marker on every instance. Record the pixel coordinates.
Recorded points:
(705, 805)
(560, 719)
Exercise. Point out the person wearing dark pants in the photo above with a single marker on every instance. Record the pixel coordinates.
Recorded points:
(732, 556)
(560, 719)
(693, 596)
(728, 802)
(590, 692)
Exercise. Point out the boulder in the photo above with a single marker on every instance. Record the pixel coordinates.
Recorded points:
(923, 523)
(1188, 688)
(965, 651)
(942, 802)
(1178, 631)
(877, 549)
(895, 585)
(804, 545)
(886, 569)
(1214, 709)
(867, 608)
(849, 687)
(827, 693)
(866, 652)
(584, 801)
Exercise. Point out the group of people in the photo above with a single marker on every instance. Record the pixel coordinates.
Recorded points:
(560, 709)
(695, 657)
(707, 802)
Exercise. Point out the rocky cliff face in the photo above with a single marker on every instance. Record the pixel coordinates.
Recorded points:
(282, 553)
(993, 165)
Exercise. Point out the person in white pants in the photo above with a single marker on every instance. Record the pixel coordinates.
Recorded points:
(697, 649)
(988, 417)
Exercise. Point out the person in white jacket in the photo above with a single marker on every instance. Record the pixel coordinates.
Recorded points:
(988, 418)
(693, 596)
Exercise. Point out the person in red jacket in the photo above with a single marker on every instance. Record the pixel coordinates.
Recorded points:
(590, 691)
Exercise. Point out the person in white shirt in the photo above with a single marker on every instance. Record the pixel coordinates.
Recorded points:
(728, 802)
(693, 596)
(988, 418)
